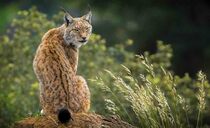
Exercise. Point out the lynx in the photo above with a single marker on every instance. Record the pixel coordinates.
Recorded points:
(55, 65)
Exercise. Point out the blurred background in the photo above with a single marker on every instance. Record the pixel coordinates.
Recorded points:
(185, 24)
(121, 30)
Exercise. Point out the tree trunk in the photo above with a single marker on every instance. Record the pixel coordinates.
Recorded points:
(80, 120)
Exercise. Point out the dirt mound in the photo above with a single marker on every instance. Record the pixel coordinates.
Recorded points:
(81, 120)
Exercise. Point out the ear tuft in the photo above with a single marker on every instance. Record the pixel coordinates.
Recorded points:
(68, 19)
(87, 17)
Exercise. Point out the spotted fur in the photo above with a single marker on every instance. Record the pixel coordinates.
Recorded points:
(55, 65)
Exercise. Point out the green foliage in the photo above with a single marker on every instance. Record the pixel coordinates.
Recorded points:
(18, 85)
(144, 92)
(157, 98)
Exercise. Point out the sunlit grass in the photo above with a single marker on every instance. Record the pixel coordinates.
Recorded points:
(150, 103)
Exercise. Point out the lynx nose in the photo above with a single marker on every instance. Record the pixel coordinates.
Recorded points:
(83, 38)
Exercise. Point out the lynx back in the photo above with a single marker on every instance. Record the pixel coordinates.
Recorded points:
(55, 65)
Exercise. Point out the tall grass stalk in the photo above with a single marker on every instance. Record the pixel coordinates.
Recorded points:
(201, 97)
(107, 89)
(153, 106)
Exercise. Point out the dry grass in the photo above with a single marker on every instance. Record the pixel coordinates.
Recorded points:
(152, 105)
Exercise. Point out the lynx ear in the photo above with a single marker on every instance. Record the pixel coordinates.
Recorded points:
(68, 19)
(87, 17)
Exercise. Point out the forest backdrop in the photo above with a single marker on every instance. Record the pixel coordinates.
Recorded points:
(122, 30)
(183, 23)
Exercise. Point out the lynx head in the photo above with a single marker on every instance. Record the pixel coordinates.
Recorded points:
(77, 30)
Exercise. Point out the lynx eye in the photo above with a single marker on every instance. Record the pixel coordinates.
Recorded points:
(86, 29)
(76, 29)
